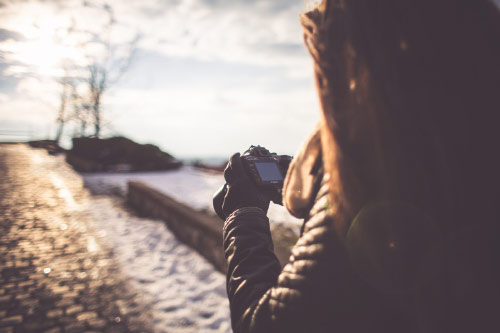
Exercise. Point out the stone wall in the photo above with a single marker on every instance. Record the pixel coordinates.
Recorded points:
(198, 230)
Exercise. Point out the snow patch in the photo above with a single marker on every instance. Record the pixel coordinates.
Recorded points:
(183, 291)
(187, 185)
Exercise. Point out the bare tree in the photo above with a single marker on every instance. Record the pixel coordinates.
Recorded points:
(81, 112)
(105, 71)
(97, 86)
(62, 115)
(85, 91)
(101, 76)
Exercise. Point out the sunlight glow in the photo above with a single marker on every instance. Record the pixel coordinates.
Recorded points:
(214, 62)
(47, 43)
(63, 192)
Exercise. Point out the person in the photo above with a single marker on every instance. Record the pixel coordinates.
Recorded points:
(398, 185)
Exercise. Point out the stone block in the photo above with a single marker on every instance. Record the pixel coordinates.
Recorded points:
(74, 309)
(86, 316)
(12, 320)
(54, 313)
(97, 323)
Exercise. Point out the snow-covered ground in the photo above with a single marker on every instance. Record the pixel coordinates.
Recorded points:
(182, 290)
(188, 185)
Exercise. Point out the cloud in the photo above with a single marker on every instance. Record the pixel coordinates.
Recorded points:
(209, 76)
(8, 83)
(7, 34)
(222, 30)
(266, 33)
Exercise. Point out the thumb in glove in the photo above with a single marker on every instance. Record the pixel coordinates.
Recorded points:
(241, 190)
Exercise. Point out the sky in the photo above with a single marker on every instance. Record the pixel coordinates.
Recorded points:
(207, 77)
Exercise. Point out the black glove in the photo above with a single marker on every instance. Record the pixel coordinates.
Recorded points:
(241, 190)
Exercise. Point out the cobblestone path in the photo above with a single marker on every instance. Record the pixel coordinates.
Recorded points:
(55, 275)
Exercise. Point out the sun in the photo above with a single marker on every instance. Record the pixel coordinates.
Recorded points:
(43, 51)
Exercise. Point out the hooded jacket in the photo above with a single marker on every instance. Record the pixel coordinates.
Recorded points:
(317, 291)
(423, 281)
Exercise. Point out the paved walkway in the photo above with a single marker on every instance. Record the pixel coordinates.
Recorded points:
(55, 276)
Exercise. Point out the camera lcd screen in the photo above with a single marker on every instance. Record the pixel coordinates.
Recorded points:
(268, 171)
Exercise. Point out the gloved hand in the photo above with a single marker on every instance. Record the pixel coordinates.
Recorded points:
(241, 190)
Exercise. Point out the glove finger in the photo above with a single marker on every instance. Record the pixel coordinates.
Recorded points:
(229, 171)
(236, 164)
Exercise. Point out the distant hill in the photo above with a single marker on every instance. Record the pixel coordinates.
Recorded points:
(118, 154)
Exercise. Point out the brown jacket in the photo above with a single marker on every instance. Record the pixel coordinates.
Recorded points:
(315, 292)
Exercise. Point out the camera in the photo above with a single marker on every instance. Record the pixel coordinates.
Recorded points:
(267, 170)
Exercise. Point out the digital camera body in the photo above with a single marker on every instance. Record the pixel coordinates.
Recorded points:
(267, 170)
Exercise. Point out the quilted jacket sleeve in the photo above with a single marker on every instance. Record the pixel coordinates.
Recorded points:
(298, 298)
